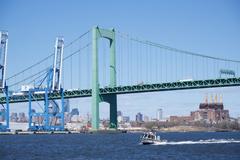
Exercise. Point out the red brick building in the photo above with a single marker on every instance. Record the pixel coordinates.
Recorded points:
(211, 112)
(181, 119)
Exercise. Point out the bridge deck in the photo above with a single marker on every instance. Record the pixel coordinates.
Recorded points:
(211, 83)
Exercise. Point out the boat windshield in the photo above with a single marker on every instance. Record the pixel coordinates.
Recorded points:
(149, 136)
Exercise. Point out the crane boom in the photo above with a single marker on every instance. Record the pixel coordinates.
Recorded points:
(57, 64)
(3, 58)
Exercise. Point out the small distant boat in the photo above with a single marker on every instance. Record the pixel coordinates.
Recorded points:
(150, 138)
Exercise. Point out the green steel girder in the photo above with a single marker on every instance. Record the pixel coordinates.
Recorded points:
(198, 84)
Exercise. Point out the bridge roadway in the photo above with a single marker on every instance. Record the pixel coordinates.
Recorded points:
(198, 84)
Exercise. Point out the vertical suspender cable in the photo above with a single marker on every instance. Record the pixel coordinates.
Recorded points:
(193, 76)
(207, 68)
(121, 68)
(237, 74)
(131, 63)
(182, 66)
(155, 66)
(170, 66)
(128, 61)
(196, 62)
(176, 65)
(166, 69)
(71, 71)
(79, 68)
(137, 64)
(147, 63)
(161, 65)
(88, 66)
(140, 63)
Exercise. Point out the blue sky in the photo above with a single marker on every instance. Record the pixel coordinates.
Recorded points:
(207, 27)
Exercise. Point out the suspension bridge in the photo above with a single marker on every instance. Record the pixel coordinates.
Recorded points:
(103, 63)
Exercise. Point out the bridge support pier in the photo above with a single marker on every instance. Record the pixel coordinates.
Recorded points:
(110, 35)
(112, 100)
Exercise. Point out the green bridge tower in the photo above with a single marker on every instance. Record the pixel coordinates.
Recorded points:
(98, 33)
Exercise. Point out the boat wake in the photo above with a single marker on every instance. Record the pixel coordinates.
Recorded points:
(209, 141)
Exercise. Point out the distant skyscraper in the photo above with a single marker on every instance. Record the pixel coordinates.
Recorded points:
(159, 114)
(126, 119)
(119, 113)
(119, 119)
(119, 116)
(67, 117)
(66, 105)
(139, 117)
(145, 118)
(14, 117)
(88, 117)
(74, 111)
(22, 117)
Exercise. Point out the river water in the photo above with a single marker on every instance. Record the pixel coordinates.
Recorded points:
(196, 145)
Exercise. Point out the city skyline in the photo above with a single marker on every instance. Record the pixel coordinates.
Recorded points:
(212, 105)
(182, 109)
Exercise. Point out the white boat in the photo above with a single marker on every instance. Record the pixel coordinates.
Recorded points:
(150, 138)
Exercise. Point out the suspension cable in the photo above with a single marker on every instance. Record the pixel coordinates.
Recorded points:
(29, 77)
(44, 59)
(174, 49)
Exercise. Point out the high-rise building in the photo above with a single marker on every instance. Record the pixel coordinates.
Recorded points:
(145, 118)
(126, 119)
(22, 117)
(74, 111)
(66, 105)
(159, 114)
(119, 116)
(119, 119)
(139, 117)
(88, 117)
(14, 117)
(119, 113)
(67, 117)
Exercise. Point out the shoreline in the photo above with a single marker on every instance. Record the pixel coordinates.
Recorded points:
(180, 129)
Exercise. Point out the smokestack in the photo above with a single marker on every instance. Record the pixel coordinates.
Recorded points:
(211, 98)
(206, 98)
(216, 99)
(221, 98)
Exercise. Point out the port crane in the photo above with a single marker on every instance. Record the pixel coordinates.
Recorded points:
(4, 109)
(52, 116)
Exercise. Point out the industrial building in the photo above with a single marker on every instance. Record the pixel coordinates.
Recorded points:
(212, 112)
